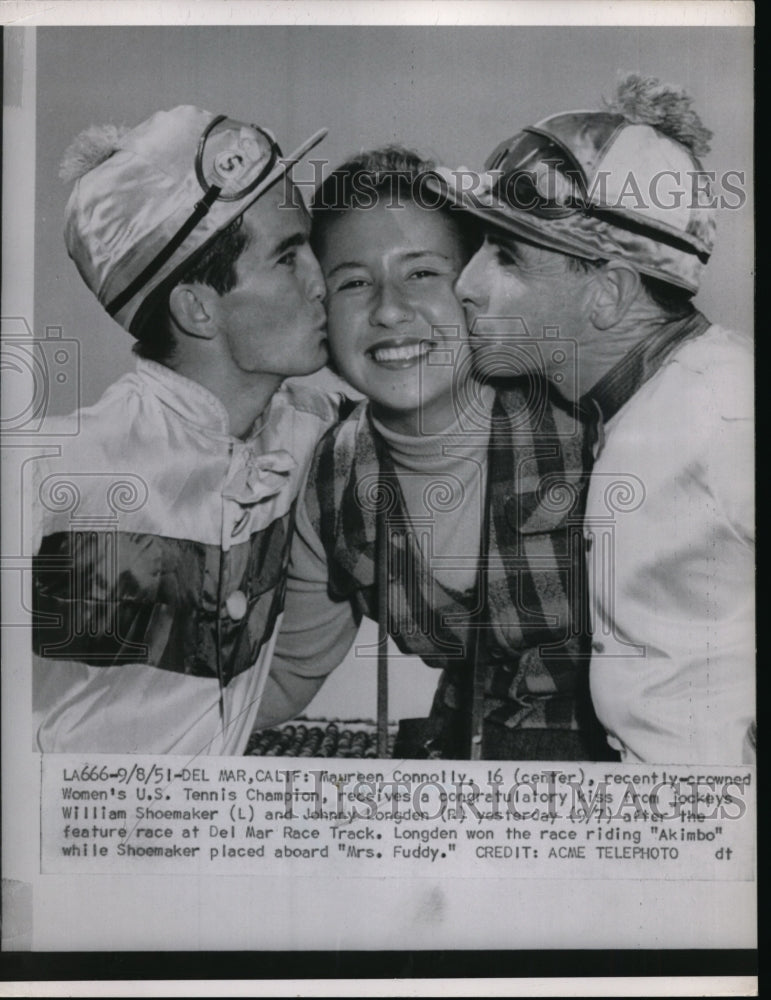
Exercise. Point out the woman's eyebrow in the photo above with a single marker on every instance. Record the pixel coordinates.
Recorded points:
(409, 255)
(413, 254)
(343, 265)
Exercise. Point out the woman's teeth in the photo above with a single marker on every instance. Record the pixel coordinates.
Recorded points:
(406, 352)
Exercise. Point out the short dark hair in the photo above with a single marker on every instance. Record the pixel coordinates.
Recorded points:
(214, 266)
(390, 175)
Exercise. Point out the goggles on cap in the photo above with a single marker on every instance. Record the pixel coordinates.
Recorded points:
(234, 157)
(540, 176)
(231, 160)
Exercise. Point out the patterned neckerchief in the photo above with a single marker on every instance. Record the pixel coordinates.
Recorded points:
(524, 618)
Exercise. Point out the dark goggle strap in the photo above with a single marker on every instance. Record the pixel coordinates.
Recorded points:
(212, 193)
(201, 209)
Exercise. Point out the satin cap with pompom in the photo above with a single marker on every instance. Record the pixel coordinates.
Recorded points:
(145, 200)
(622, 182)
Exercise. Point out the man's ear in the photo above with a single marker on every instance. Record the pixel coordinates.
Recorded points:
(618, 285)
(191, 309)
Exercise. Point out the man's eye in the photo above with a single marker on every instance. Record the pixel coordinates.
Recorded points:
(424, 273)
(504, 256)
(288, 259)
(352, 283)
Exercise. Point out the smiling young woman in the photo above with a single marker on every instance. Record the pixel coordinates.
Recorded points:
(432, 506)
(390, 266)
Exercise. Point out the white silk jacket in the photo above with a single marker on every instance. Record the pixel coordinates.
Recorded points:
(670, 517)
(159, 576)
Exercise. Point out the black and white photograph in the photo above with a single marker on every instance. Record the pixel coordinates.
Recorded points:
(378, 395)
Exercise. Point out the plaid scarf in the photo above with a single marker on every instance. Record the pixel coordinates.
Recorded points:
(526, 618)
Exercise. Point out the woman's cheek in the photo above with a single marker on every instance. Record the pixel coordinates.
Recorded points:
(449, 309)
(337, 323)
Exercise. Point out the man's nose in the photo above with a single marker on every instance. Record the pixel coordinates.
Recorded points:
(390, 306)
(470, 288)
(315, 283)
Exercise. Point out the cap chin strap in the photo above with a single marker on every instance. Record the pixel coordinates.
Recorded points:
(201, 209)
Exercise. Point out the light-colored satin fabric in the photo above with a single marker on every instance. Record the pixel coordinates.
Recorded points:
(154, 456)
(670, 512)
(124, 211)
(639, 174)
